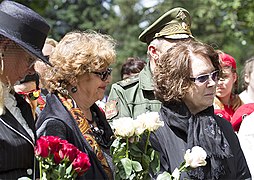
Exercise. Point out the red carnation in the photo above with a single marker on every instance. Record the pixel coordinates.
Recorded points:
(41, 148)
(81, 163)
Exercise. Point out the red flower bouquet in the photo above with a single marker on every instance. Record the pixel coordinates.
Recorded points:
(59, 159)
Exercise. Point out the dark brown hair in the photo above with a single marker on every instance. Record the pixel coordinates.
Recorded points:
(132, 65)
(172, 73)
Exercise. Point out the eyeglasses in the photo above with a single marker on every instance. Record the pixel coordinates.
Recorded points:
(104, 75)
(204, 77)
(32, 95)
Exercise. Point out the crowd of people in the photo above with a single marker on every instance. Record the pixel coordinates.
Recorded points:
(50, 88)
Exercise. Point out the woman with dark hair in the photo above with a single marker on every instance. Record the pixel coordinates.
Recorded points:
(185, 82)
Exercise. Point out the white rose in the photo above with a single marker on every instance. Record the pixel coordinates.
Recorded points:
(151, 120)
(195, 157)
(139, 126)
(124, 127)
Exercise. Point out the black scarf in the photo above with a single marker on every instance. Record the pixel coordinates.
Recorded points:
(201, 130)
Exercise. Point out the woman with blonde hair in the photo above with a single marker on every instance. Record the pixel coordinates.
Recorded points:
(78, 78)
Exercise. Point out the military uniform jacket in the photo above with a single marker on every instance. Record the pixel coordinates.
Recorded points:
(132, 97)
(16, 146)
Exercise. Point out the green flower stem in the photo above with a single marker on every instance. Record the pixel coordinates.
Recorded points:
(147, 141)
(182, 168)
(73, 173)
(40, 166)
(127, 147)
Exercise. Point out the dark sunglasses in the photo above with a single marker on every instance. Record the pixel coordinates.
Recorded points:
(204, 77)
(32, 95)
(104, 75)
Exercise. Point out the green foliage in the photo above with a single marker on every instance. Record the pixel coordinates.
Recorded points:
(52, 171)
(225, 24)
(133, 160)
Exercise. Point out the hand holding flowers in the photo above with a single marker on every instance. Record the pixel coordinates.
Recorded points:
(59, 159)
(132, 157)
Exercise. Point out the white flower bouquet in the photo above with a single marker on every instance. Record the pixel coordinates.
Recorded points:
(132, 157)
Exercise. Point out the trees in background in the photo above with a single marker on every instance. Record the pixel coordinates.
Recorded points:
(225, 24)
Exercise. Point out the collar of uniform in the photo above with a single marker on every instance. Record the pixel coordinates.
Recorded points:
(146, 79)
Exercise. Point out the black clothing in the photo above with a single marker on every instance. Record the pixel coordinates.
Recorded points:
(182, 131)
(16, 146)
(56, 120)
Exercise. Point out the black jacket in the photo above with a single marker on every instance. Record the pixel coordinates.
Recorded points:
(16, 146)
(55, 120)
(171, 141)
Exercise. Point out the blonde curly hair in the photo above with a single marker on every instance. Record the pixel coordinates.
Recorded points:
(172, 73)
(78, 53)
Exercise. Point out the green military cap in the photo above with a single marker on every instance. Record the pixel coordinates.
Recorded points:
(174, 24)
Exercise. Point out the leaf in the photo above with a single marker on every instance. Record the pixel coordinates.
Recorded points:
(145, 162)
(135, 151)
(68, 170)
(155, 163)
(118, 155)
(124, 168)
(135, 148)
(152, 154)
(127, 166)
(61, 170)
(165, 175)
(136, 166)
(116, 143)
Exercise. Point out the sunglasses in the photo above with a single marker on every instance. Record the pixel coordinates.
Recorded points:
(32, 95)
(204, 77)
(104, 75)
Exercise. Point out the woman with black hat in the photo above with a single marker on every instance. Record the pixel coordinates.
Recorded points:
(22, 36)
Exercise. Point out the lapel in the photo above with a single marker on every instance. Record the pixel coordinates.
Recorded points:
(10, 121)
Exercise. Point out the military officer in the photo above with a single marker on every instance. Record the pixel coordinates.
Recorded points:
(134, 96)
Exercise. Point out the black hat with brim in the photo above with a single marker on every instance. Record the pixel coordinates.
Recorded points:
(25, 27)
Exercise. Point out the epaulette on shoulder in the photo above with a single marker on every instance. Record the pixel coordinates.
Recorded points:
(128, 81)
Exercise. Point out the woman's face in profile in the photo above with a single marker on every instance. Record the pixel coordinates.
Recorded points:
(91, 85)
(202, 93)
